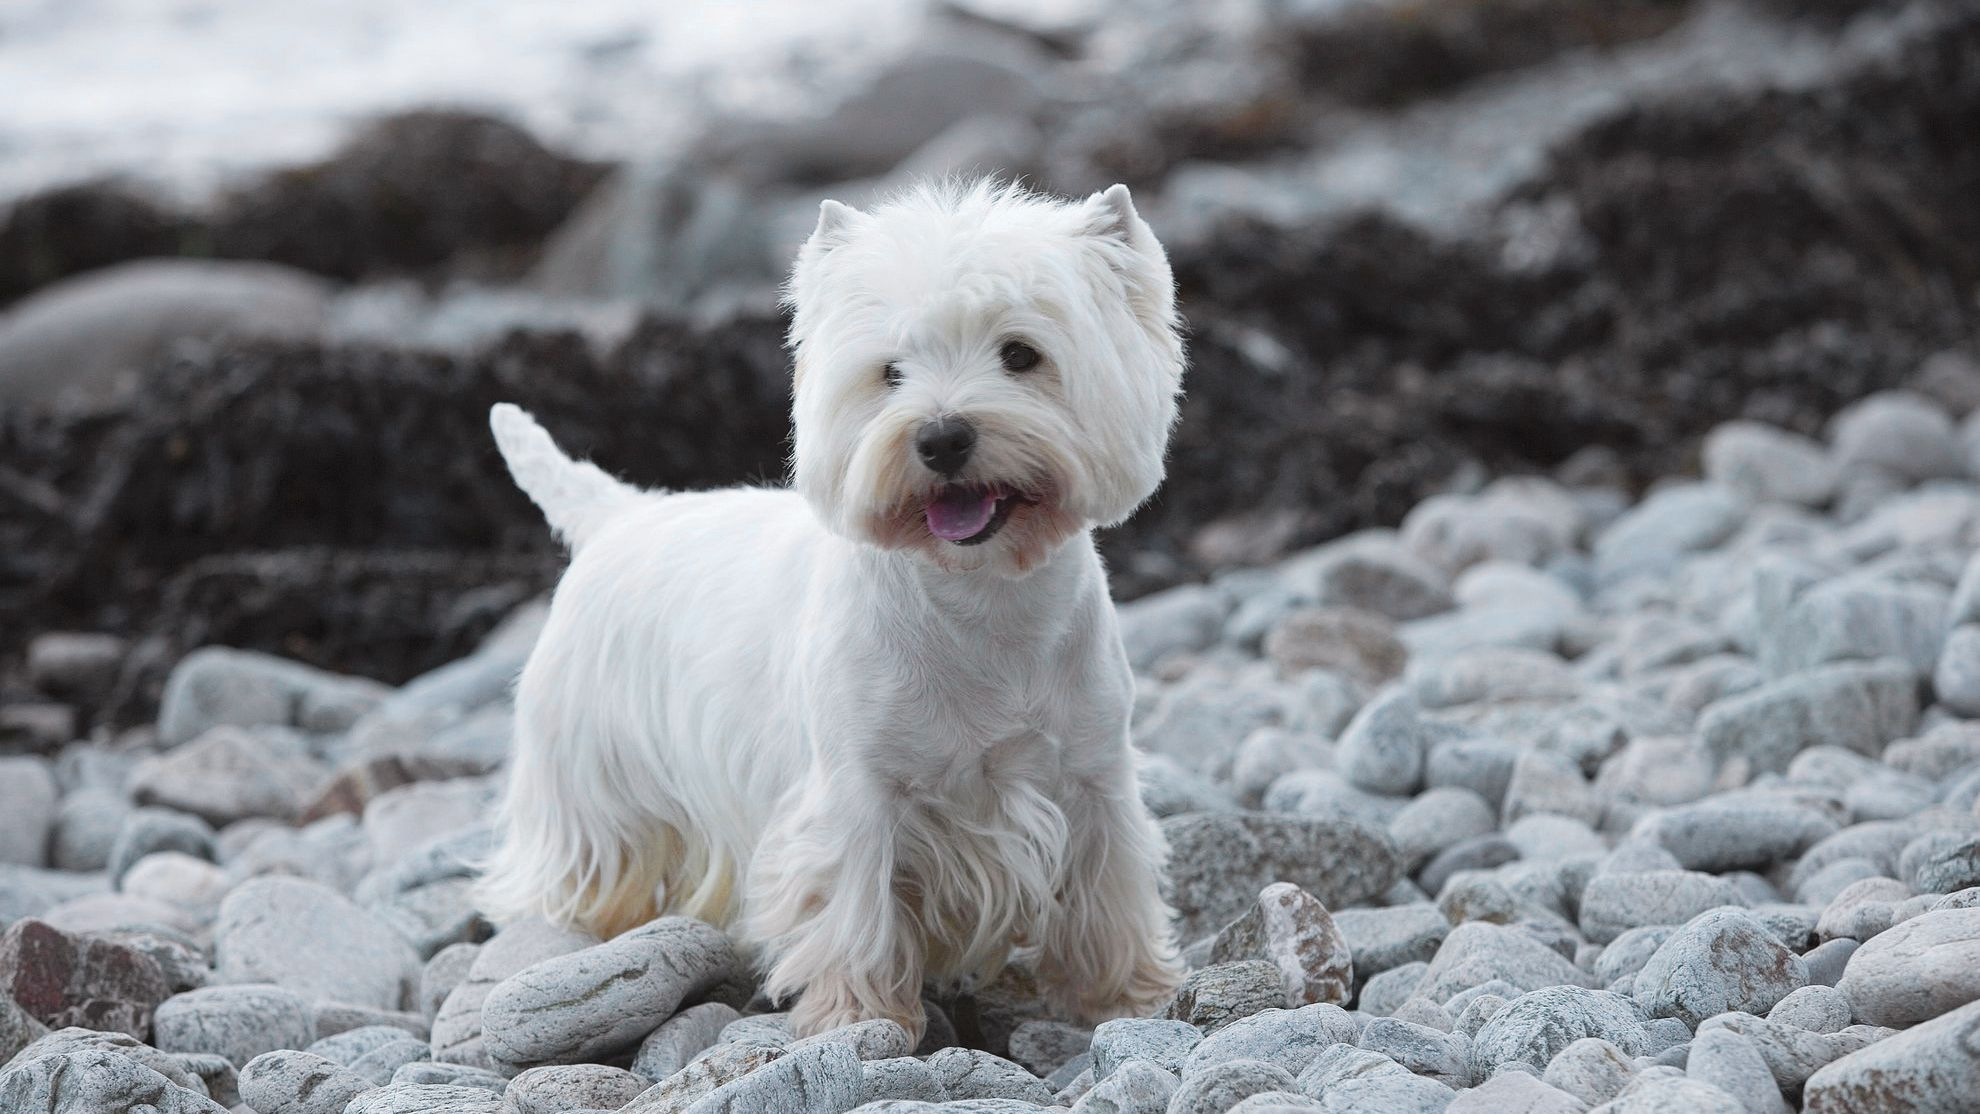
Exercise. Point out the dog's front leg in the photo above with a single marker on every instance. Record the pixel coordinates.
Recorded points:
(1108, 949)
(824, 904)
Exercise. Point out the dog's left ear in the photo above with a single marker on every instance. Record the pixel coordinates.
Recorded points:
(1114, 214)
(835, 223)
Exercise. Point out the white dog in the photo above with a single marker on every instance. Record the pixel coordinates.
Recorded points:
(879, 724)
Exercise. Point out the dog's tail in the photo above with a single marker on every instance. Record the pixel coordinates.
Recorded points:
(575, 496)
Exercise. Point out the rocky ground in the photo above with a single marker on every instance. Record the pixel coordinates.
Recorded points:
(1552, 800)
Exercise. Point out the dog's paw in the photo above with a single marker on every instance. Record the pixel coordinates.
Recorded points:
(1141, 990)
(832, 1004)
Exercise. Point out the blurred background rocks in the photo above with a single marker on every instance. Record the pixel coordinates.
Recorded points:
(1421, 246)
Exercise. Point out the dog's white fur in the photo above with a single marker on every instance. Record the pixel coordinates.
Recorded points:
(878, 755)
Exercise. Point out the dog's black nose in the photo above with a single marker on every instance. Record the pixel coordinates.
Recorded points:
(945, 444)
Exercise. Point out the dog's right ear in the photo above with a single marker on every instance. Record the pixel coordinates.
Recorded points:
(835, 224)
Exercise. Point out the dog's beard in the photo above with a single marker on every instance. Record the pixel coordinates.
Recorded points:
(1010, 508)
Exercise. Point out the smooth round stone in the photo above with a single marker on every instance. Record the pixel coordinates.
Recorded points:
(92, 1081)
(1927, 966)
(1612, 904)
(1722, 960)
(292, 1082)
(603, 999)
(1933, 1068)
(1221, 1086)
(239, 1022)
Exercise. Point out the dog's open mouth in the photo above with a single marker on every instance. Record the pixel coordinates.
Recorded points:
(969, 514)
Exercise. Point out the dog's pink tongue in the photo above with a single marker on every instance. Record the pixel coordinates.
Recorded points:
(959, 513)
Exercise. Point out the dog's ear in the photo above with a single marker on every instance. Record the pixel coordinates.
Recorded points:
(1113, 213)
(835, 223)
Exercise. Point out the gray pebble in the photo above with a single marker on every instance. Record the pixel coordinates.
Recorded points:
(1731, 1063)
(1916, 971)
(605, 998)
(1292, 930)
(1720, 961)
(239, 1022)
(1219, 863)
(1591, 1069)
(902, 1077)
(1289, 1039)
(1827, 961)
(313, 940)
(1933, 1068)
(1221, 1086)
(1445, 1057)
(560, 1088)
(1212, 997)
(1818, 1009)
(1164, 1044)
(1535, 1027)
(1379, 939)
(1941, 862)
(426, 1098)
(1135, 1087)
(451, 1075)
(1476, 953)
(289, 1082)
(1858, 705)
(969, 1073)
(93, 1081)
(1615, 903)
(823, 1079)
(1735, 831)
(681, 1038)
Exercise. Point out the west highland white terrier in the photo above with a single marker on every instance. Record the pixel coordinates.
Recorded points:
(878, 724)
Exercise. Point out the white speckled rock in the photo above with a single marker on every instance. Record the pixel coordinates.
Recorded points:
(1925, 967)
(213, 686)
(1933, 1068)
(1219, 862)
(1733, 1064)
(1162, 1043)
(1135, 1087)
(681, 1038)
(1443, 1056)
(289, 1082)
(313, 940)
(426, 1098)
(603, 999)
(1476, 953)
(1720, 961)
(1769, 464)
(1537, 1026)
(1514, 1092)
(1591, 1069)
(94, 1081)
(1612, 904)
(564, 1087)
(239, 1022)
(1290, 1039)
(1818, 1009)
(1858, 705)
(822, 1079)
(1221, 1086)
(1293, 931)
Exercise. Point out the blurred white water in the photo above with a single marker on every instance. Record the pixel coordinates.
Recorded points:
(187, 93)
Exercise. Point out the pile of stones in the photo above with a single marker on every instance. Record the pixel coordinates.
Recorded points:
(1552, 800)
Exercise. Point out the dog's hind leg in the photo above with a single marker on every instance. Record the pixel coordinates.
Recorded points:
(583, 831)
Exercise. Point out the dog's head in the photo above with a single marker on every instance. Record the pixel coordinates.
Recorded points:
(982, 373)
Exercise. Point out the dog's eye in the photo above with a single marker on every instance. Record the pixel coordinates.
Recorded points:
(892, 374)
(1018, 356)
